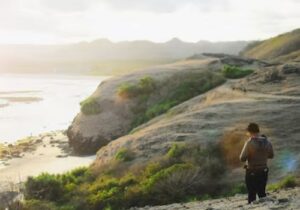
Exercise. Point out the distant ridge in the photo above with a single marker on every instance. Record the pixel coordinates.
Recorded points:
(103, 55)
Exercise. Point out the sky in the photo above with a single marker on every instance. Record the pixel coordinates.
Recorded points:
(68, 21)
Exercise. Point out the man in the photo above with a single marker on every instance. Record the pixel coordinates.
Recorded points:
(256, 152)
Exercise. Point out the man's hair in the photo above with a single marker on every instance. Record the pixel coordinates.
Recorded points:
(253, 128)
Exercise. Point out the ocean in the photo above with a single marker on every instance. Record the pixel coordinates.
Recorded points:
(34, 104)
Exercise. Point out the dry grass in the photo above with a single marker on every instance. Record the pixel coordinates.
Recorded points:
(232, 144)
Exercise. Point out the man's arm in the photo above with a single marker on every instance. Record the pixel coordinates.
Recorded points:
(244, 153)
(270, 151)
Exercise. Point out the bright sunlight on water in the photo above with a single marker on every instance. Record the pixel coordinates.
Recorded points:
(30, 105)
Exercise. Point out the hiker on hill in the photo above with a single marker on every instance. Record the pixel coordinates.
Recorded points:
(256, 152)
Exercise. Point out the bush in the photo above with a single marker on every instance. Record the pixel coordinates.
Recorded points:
(287, 182)
(185, 172)
(172, 184)
(124, 155)
(39, 205)
(44, 187)
(90, 106)
(159, 109)
(145, 86)
(176, 151)
(234, 72)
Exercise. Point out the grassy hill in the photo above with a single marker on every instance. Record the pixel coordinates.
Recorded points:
(285, 47)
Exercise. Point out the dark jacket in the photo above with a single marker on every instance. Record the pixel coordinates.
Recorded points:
(256, 152)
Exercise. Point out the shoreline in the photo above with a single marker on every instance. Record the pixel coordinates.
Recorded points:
(48, 152)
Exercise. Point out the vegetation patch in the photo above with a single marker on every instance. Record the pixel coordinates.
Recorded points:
(124, 155)
(235, 72)
(145, 86)
(289, 181)
(176, 150)
(186, 88)
(90, 106)
(184, 173)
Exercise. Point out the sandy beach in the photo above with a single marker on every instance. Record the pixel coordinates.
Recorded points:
(48, 152)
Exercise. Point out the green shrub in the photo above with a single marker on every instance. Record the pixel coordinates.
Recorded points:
(185, 172)
(234, 72)
(164, 174)
(90, 106)
(44, 187)
(158, 109)
(176, 151)
(76, 176)
(128, 90)
(188, 87)
(289, 181)
(145, 86)
(39, 205)
(174, 184)
(124, 155)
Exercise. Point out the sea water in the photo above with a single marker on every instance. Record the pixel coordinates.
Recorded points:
(34, 104)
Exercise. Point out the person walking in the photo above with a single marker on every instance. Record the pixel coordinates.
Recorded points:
(256, 151)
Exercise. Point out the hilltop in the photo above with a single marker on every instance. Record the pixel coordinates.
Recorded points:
(282, 48)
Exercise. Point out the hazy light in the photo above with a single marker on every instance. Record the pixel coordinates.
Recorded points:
(63, 21)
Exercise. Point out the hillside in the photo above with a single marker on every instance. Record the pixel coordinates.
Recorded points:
(209, 123)
(103, 57)
(123, 103)
(220, 115)
(282, 48)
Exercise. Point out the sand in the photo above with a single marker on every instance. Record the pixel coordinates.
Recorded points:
(50, 154)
